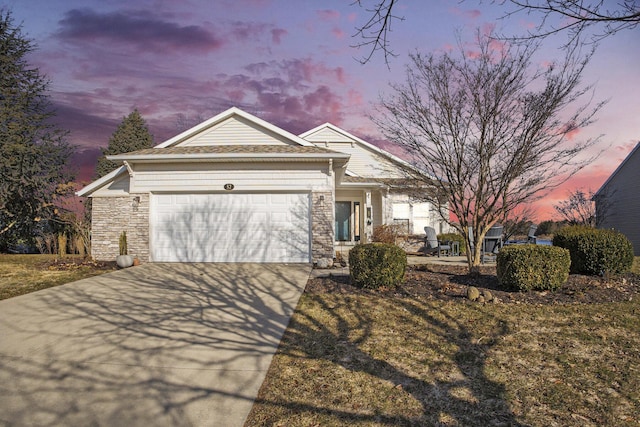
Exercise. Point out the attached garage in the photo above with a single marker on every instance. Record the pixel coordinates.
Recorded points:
(230, 227)
(231, 189)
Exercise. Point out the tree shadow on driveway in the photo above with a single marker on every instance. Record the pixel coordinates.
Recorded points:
(160, 344)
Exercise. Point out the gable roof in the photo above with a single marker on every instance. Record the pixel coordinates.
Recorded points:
(618, 169)
(170, 150)
(226, 115)
(348, 137)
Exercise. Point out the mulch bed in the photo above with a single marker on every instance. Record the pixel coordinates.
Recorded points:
(450, 283)
(74, 263)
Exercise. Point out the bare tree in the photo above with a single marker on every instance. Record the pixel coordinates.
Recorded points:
(579, 208)
(518, 222)
(491, 128)
(375, 32)
(184, 122)
(574, 17)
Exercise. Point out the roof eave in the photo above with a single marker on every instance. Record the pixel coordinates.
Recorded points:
(101, 182)
(225, 157)
(614, 173)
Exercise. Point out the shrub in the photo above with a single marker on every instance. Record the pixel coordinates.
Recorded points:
(595, 251)
(374, 265)
(122, 243)
(456, 237)
(533, 267)
(386, 233)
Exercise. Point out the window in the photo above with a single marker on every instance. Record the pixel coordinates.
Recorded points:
(343, 221)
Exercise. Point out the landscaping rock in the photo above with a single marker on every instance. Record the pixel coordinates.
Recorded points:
(324, 263)
(488, 297)
(473, 293)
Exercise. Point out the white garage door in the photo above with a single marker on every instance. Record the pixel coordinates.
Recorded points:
(230, 227)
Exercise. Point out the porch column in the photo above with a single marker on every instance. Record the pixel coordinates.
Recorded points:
(368, 209)
(322, 228)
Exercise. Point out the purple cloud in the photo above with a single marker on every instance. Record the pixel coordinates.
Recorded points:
(277, 34)
(248, 30)
(140, 29)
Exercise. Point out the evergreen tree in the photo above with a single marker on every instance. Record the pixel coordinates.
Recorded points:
(34, 152)
(132, 134)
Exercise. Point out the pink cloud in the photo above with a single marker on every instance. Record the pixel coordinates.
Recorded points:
(355, 98)
(470, 13)
(626, 148)
(328, 15)
(473, 54)
(338, 33)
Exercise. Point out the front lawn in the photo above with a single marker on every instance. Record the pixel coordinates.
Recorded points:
(22, 274)
(387, 359)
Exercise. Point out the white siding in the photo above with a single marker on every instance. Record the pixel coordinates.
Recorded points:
(235, 131)
(202, 177)
(117, 188)
(414, 215)
(364, 161)
(401, 211)
(326, 135)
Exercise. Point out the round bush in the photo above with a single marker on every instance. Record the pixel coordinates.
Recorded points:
(533, 267)
(594, 251)
(373, 265)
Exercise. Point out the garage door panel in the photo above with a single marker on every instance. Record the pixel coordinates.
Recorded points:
(230, 227)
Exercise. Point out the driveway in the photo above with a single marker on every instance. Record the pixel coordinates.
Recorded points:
(158, 344)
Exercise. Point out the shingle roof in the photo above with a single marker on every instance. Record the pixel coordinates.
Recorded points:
(232, 149)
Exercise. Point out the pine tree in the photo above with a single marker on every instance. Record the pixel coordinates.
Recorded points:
(132, 134)
(34, 152)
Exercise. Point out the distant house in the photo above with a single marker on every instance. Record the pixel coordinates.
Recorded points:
(236, 188)
(618, 200)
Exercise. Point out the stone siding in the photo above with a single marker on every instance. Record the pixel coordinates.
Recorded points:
(113, 215)
(322, 219)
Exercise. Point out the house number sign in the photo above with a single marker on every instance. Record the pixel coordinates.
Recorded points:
(228, 187)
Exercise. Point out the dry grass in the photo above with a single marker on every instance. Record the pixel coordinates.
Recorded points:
(381, 361)
(22, 274)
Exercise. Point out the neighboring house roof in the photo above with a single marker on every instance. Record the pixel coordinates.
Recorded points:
(615, 172)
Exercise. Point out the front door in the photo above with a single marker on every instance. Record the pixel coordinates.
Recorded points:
(343, 221)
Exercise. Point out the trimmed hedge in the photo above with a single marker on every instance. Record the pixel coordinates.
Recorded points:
(373, 265)
(456, 237)
(533, 267)
(595, 251)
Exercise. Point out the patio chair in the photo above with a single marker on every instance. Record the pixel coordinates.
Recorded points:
(531, 236)
(492, 242)
(432, 244)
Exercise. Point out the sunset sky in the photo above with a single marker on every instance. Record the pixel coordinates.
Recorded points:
(289, 62)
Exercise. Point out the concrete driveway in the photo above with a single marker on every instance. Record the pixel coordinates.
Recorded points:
(158, 344)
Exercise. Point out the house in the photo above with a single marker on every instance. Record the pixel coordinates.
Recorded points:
(236, 188)
(618, 200)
